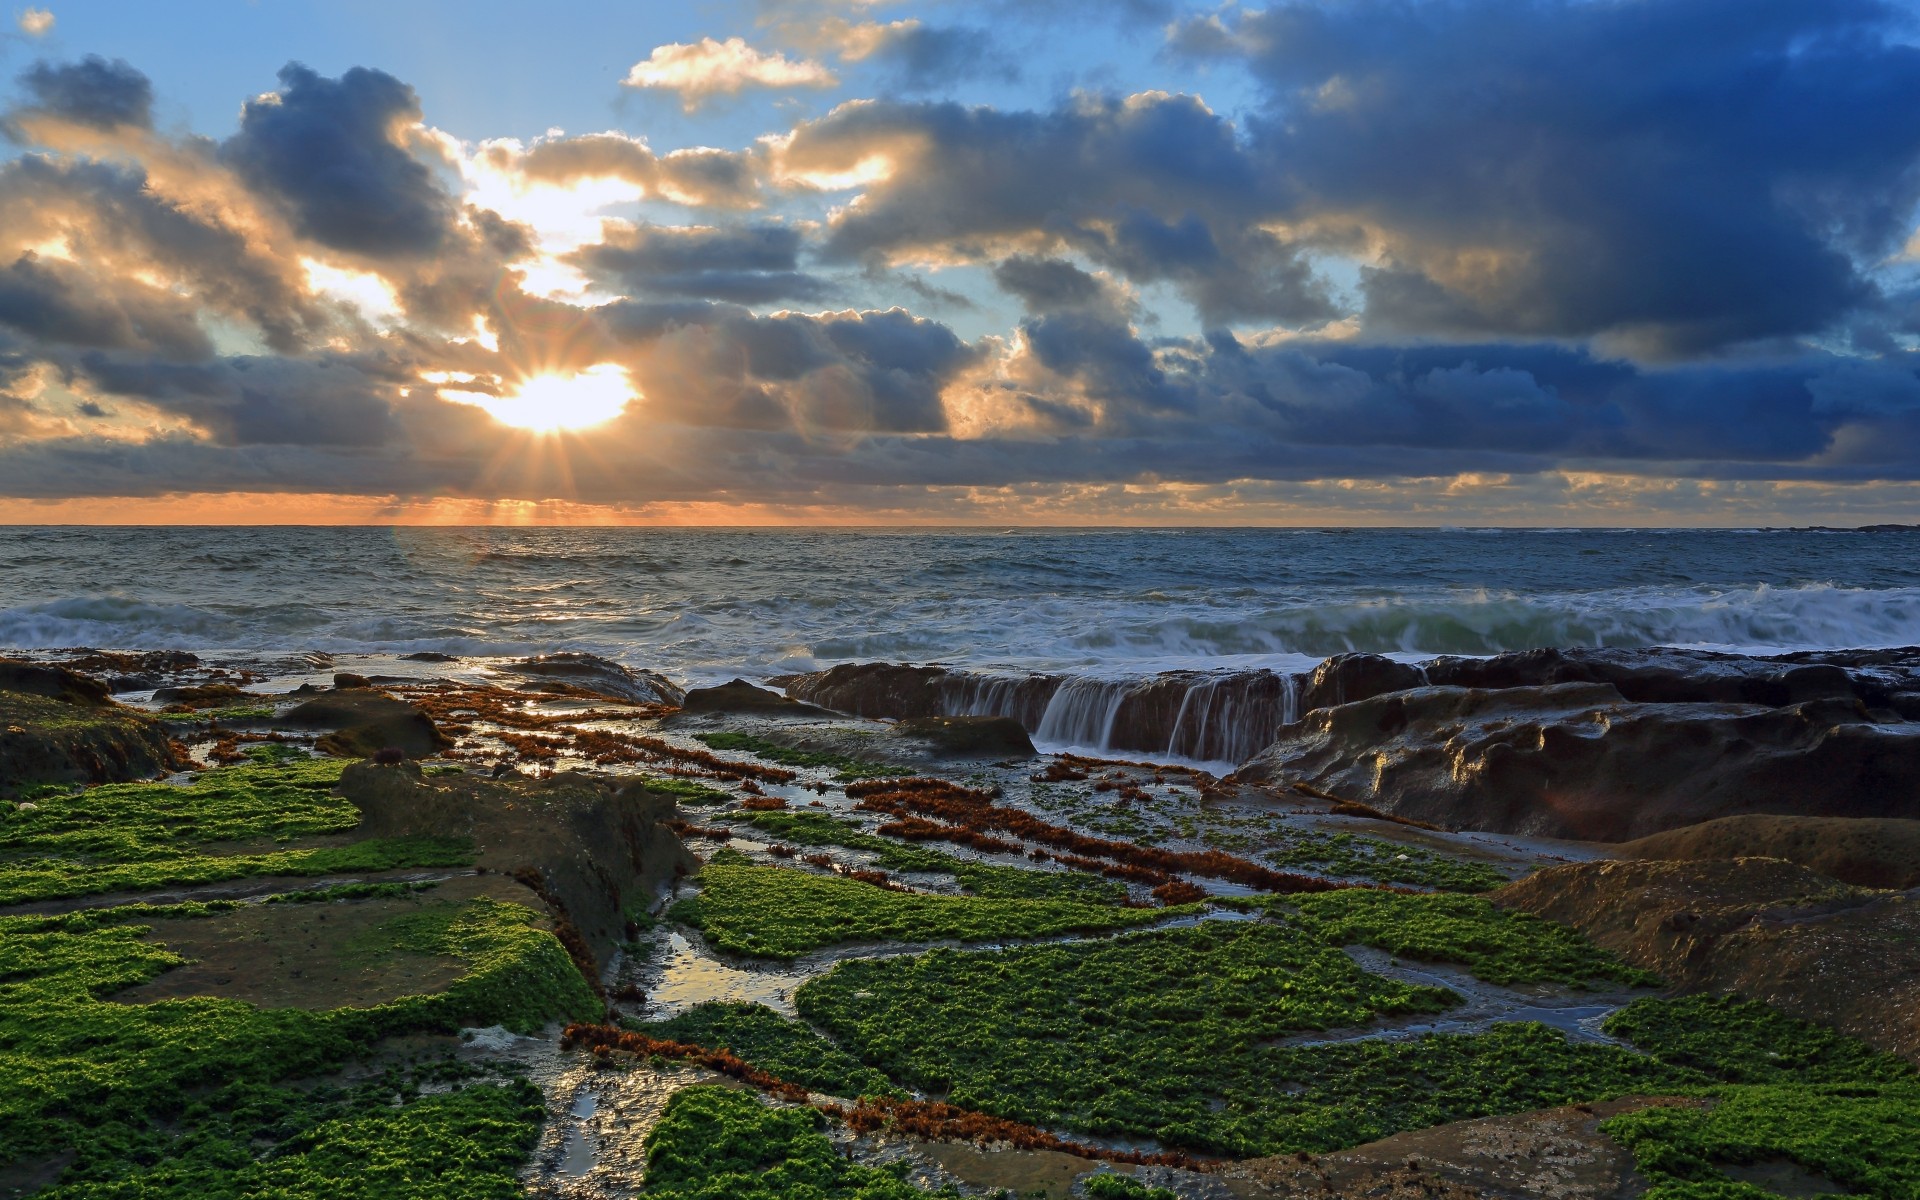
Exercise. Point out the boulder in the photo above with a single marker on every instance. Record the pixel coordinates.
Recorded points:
(205, 695)
(55, 683)
(970, 737)
(892, 690)
(59, 727)
(594, 851)
(364, 722)
(1346, 678)
(574, 674)
(739, 696)
(1576, 760)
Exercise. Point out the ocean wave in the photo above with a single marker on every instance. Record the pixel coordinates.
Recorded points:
(1760, 619)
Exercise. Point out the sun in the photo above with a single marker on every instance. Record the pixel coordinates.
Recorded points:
(556, 403)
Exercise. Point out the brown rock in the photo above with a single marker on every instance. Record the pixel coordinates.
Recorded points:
(365, 722)
(970, 737)
(1867, 852)
(739, 696)
(1577, 761)
(598, 852)
(1763, 928)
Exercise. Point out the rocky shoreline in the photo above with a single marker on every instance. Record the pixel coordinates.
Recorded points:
(1549, 899)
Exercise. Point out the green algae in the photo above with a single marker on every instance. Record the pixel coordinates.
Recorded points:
(78, 1069)
(718, 1143)
(775, 1044)
(1494, 944)
(848, 766)
(780, 912)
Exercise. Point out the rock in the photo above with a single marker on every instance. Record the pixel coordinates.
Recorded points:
(597, 852)
(125, 672)
(970, 737)
(347, 679)
(55, 683)
(1577, 761)
(206, 695)
(739, 696)
(1864, 851)
(59, 727)
(1346, 678)
(1761, 927)
(432, 656)
(892, 690)
(1661, 676)
(365, 722)
(572, 674)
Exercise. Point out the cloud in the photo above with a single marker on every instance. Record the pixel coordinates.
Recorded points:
(35, 22)
(751, 264)
(698, 176)
(57, 302)
(333, 151)
(93, 91)
(1671, 177)
(922, 57)
(701, 70)
(1156, 186)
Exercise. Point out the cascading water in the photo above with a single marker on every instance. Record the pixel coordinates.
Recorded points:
(1226, 717)
(1082, 712)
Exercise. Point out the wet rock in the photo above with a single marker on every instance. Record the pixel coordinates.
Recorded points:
(970, 737)
(1859, 850)
(60, 727)
(739, 696)
(133, 672)
(1346, 678)
(432, 656)
(364, 722)
(1761, 927)
(206, 695)
(55, 683)
(597, 851)
(1577, 761)
(346, 679)
(892, 690)
(1664, 676)
(571, 674)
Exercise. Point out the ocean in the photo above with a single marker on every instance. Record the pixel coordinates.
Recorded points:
(703, 605)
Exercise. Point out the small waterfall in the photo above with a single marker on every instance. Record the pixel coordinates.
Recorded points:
(1209, 716)
(1023, 697)
(1226, 717)
(1082, 711)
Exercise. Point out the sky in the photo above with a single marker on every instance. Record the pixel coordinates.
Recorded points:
(1376, 262)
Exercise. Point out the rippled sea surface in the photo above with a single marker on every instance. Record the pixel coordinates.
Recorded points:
(706, 604)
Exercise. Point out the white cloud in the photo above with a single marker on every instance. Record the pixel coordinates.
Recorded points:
(35, 21)
(708, 68)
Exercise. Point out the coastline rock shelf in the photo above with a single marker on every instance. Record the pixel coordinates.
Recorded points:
(1592, 744)
(560, 928)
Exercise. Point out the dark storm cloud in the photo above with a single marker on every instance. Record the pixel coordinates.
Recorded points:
(1679, 175)
(250, 401)
(853, 372)
(1156, 186)
(117, 224)
(330, 150)
(752, 264)
(94, 91)
(56, 302)
(920, 58)
(1050, 284)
